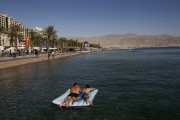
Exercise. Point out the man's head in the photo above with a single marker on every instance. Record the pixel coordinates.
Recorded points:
(87, 86)
(75, 84)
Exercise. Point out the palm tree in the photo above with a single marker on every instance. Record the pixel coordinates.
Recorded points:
(63, 43)
(21, 37)
(76, 42)
(33, 37)
(2, 29)
(14, 32)
(51, 33)
(38, 40)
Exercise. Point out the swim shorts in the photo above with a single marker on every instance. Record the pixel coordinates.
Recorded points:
(82, 95)
(73, 95)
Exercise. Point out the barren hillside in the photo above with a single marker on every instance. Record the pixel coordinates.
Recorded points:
(132, 40)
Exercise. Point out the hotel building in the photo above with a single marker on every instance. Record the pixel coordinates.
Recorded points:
(6, 21)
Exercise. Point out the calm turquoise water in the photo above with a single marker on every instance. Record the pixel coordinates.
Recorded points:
(141, 85)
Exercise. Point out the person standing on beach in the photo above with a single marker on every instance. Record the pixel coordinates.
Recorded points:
(13, 53)
(49, 54)
(36, 53)
(53, 53)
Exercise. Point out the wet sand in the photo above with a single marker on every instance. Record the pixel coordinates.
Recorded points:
(21, 60)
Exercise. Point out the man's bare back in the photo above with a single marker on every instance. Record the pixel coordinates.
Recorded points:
(75, 89)
(87, 90)
(85, 93)
(74, 92)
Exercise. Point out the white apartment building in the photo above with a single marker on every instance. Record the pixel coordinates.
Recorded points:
(6, 21)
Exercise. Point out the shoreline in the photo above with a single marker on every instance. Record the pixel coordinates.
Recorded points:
(30, 59)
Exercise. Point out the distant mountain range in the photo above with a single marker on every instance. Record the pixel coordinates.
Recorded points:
(132, 40)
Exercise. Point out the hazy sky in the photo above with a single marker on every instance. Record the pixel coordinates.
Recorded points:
(88, 18)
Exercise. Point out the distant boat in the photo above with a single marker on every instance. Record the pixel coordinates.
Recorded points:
(133, 50)
(85, 51)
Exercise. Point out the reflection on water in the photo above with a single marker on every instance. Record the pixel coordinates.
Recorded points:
(132, 86)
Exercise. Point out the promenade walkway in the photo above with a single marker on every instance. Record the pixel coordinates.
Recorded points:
(7, 62)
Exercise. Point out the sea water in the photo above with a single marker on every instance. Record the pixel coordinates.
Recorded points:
(141, 84)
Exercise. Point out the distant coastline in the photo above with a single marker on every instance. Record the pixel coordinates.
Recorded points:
(157, 47)
(126, 41)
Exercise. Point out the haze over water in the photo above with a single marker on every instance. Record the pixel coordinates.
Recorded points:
(138, 85)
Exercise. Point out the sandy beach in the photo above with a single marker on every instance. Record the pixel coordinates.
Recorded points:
(7, 62)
